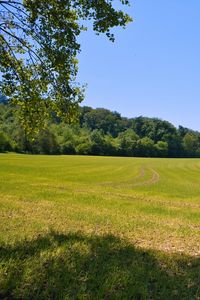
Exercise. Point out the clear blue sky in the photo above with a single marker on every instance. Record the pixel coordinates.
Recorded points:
(153, 68)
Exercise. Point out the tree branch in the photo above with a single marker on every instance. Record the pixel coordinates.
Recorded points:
(22, 43)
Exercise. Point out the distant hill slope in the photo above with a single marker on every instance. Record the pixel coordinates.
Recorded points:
(3, 99)
(100, 132)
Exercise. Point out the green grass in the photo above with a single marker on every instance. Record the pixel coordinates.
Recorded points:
(74, 227)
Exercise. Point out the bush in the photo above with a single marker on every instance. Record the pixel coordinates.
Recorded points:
(84, 148)
(5, 144)
(68, 148)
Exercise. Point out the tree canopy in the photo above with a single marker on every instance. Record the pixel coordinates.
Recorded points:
(38, 50)
(141, 136)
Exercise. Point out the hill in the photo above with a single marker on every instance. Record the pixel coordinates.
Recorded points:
(101, 132)
(3, 99)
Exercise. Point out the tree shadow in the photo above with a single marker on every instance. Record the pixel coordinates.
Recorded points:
(76, 266)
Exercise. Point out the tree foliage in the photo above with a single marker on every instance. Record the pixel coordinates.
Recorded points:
(38, 50)
(91, 138)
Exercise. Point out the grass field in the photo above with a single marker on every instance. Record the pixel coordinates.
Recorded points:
(74, 227)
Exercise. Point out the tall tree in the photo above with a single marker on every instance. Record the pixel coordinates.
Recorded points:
(38, 49)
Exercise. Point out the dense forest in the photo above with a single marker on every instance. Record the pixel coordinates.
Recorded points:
(100, 132)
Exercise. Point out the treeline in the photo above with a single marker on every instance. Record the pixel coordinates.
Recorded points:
(100, 132)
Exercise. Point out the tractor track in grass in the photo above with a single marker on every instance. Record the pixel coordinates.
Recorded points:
(154, 178)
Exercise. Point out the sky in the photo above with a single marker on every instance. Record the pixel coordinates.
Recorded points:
(153, 67)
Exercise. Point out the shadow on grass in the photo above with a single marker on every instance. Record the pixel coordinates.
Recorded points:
(77, 266)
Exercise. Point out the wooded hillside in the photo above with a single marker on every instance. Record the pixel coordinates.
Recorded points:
(100, 132)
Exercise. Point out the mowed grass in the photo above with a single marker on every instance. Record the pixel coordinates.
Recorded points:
(75, 227)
